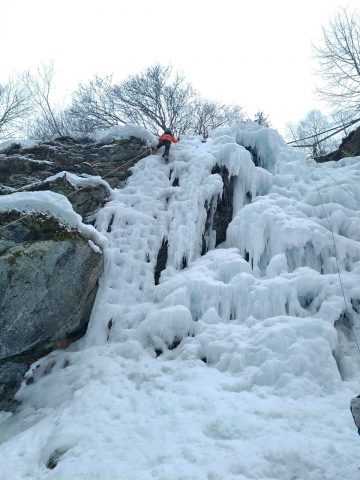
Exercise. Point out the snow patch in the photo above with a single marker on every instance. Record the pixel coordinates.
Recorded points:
(78, 181)
(120, 132)
(52, 204)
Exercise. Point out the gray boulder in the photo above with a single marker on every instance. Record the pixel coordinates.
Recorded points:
(48, 284)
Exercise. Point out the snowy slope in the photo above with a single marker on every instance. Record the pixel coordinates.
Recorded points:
(245, 384)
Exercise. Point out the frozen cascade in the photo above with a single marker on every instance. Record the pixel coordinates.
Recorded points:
(240, 363)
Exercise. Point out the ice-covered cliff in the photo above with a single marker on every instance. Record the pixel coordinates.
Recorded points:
(204, 360)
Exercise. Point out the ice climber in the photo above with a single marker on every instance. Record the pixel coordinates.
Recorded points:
(165, 140)
(355, 411)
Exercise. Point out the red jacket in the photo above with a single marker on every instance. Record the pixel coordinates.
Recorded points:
(167, 136)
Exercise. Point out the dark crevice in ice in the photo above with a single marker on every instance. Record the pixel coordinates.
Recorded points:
(254, 156)
(184, 262)
(219, 212)
(343, 326)
(161, 260)
(110, 223)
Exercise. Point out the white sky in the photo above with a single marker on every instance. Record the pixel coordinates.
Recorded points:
(256, 53)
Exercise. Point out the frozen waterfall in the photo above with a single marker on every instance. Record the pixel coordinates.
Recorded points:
(239, 361)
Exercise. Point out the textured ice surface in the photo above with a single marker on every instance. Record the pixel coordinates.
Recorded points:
(230, 368)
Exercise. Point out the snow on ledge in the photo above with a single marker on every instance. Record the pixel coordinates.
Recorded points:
(117, 132)
(17, 141)
(51, 204)
(120, 132)
(77, 181)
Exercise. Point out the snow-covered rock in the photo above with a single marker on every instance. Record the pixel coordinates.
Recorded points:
(23, 165)
(48, 283)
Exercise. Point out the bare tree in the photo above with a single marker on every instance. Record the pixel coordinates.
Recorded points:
(311, 132)
(93, 107)
(343, 121)
(262, 119)
(155, 98)
(49, 121)
(339, 58)
(152, 99)
(178, 99)
(14, 108)
(208, 115)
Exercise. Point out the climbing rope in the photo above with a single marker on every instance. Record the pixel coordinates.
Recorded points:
(348, 192)
(336, 254)
(121, 167)
(323, 206)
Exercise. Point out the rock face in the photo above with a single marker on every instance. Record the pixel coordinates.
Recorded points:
(22, 166)
(349, 147)
(85, 200)
(48, 283)
(48, 274)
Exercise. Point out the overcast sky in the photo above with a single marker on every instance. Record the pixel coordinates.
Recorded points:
(256, 53)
